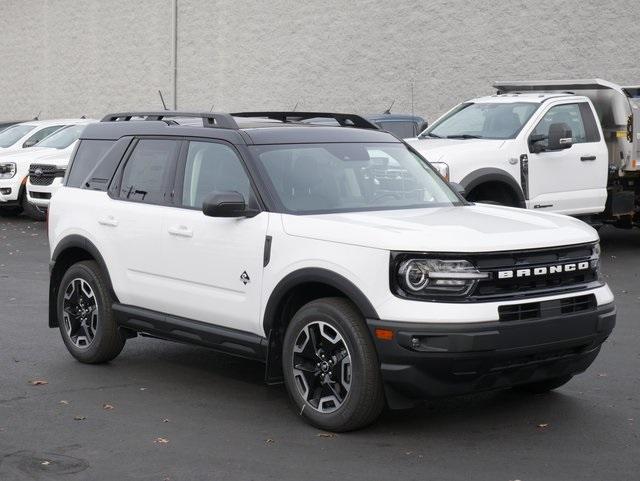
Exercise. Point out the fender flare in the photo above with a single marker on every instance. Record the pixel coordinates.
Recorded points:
(81, 242)
(489, 174)
(313, 274)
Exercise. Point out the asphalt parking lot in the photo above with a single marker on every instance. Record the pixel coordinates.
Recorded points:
(166, 411)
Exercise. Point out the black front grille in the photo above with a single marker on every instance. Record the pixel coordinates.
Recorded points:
(40, 174)
(538, 310)
(495, 288)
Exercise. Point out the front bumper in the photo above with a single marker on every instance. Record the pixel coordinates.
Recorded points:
(10, 190)
(40, 195)
(442, 359)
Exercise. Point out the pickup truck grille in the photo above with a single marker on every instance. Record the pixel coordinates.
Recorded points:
(530, 273)
(40, 174)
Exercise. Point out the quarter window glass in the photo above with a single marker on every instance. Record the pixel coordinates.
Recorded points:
(41, 134)
(11, 135)
(568, 114)
(87, 156)
(212, 167)
(149, 170)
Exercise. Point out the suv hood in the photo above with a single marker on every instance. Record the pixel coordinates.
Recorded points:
(58, 157)
(474, 228)
(441, 150)
(25, 155)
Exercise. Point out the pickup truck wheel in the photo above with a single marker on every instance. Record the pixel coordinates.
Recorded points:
(544, 386)
(85, 317)
(32, 210)
(330, 366)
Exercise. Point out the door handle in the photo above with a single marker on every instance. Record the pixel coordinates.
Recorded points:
(181, 231)
(109, 220)
(585, 158)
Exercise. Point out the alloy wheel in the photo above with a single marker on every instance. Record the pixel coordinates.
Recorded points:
(80, 313)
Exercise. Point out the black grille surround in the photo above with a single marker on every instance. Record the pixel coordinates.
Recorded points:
(495, 289)
(42, 174)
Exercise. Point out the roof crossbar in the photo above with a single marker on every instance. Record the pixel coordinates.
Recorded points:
(345, 120)
(209, 119)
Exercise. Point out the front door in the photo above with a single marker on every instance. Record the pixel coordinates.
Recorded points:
(216, 263)
(574, 180)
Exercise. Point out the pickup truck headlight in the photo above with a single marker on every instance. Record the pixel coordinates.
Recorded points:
(424, 277)
(7, 170)
(442, 168)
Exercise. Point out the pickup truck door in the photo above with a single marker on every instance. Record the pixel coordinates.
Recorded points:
(574, 180)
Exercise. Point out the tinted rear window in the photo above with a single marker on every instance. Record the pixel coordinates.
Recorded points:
(87, 156)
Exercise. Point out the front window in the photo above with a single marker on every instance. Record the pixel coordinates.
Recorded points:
(63, 138)
(343, 177)
(483, 121)
(11, 135)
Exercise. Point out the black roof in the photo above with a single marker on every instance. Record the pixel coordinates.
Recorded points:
(243, 128)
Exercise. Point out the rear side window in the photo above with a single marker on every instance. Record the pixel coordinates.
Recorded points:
(88, 154)
(149, 172)
(400, 129)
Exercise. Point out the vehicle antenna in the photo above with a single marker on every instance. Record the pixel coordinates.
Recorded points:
(388, 111)
(412, 113)
(295, 106)
(164, 106)
(212, 106)
(37, 117)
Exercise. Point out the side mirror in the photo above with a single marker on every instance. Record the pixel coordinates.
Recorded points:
(460, 190)
(423, 127)
(560, 136)
(226, 204)
(29, 143)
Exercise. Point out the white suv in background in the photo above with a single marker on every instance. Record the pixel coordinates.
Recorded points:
(48, 167)
(27, 134)
(15, 162)
(336, 256)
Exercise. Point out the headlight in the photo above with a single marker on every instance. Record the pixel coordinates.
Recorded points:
(442, 168)
(437, 277)
(7, 170)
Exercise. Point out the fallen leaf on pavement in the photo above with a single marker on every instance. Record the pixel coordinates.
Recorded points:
(38, 382)
(79, 418)
(63, 402)
(269, 441)
(45, 463)
(160, 441)
(107, 407)
(326, 435)
(543, 425)
(165, 420)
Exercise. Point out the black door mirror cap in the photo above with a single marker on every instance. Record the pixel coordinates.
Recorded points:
(226, 204)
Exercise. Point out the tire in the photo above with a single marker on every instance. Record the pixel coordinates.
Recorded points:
(544, 386)
(338, 330)
(105, 341)
(32, 210)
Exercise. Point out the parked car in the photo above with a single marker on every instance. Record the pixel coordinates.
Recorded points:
(14, 163)
(48, 167)
(571, 147)
(402, 126)
(336, 256)
(27, 134)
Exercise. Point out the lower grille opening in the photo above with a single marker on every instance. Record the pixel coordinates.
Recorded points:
(537, 310)
(40, 195)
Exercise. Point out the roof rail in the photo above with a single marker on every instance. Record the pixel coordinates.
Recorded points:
(345, 120)
(209, 119)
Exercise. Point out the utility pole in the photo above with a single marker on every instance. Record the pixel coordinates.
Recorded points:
(174, 61)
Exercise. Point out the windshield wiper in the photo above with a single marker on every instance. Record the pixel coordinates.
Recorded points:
(464, 136)
(429, 134)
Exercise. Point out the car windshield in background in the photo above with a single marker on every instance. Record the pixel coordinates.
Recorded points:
(11, 135)
(343, 177)
(483, 121)
(63, 138)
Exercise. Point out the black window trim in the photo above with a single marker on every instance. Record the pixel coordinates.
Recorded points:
(114, 186)
(181, 167)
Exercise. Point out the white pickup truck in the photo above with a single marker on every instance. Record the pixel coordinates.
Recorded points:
(570, 146)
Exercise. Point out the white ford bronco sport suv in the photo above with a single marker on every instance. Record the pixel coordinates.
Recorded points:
(337, 256)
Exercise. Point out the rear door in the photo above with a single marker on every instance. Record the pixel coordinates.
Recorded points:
(216, 263)
(574, 180)
(131, 221)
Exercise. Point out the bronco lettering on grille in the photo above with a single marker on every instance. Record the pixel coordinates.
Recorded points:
(544, 270)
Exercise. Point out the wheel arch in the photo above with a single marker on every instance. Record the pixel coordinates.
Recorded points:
(487, 175)
(71, 249)
(295, 290)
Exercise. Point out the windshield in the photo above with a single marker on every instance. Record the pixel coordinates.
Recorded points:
(344, 177)
(11, 135)
(63, 138)
(483, 121)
